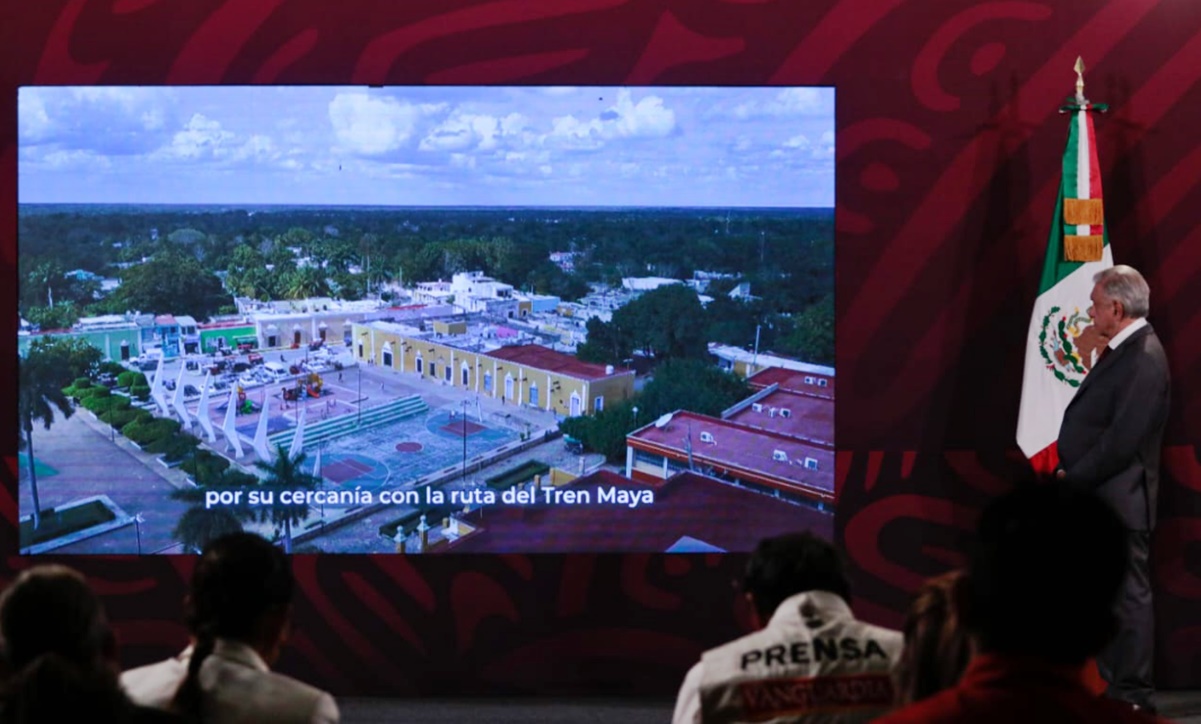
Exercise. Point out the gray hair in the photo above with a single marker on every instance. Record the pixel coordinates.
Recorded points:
(1124, 284)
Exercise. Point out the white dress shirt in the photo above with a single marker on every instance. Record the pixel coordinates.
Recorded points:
(238, 688)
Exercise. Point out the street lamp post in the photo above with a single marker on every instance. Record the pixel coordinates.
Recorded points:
(463, 403)
(358, 366)
(137, 526)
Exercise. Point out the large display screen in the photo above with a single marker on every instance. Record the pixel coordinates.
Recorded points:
(428, 320)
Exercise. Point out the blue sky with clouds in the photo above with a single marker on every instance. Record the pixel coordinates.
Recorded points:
(526, 146)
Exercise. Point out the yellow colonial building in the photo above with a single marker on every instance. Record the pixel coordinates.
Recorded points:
(520, 374)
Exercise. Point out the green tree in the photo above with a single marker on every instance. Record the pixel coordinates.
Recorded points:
(42, 281)
(812, 335)
(61, 316)
(683, 384)
(172, 283)
(691, 385)
(605, 432)
(667, 322)
(42, 374)
(304, 283)
(199, 525)
(606, 344)
(285, 473)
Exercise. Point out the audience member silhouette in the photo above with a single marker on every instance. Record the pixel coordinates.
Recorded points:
(937, 648)
(1038, 602)
(239, 613)
(59, 653)
(811, 661)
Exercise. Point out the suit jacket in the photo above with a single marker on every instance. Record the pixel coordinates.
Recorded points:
(1112, 430)
(238, 688)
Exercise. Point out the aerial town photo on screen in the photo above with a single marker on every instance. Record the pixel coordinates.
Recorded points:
(425, 320)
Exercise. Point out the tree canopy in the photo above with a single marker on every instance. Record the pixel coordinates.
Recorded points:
(682, 384)
(171, 283)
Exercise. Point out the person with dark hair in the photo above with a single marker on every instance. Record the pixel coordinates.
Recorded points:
(59, 653)
(238, 611)
(812, 661)
(1109, 443)
(937, 647)
(1038, 602)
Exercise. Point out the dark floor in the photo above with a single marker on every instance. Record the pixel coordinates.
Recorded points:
(1177, 706)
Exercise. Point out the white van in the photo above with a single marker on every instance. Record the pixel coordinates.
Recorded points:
(276, 370)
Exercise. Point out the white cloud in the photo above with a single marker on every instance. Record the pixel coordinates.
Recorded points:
(648, 118)
(257, 148)
(33, 121)
(107, 120)
(373, 126)
(467, 130)
(825, 147)
(76, 160)
(788, 102)
(201, 136)
(799, 141)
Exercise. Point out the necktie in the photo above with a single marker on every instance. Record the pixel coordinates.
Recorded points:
(1104, 352)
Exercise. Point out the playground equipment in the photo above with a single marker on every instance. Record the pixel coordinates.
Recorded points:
(243, 406)
(307, 386)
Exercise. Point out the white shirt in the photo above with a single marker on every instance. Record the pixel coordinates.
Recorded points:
(1122, 336)
(812, 663)
(238, 688)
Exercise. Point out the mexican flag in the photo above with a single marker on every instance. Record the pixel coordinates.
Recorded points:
(1061, 345)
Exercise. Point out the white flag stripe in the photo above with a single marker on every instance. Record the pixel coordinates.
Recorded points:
(1044, 396)
(1083, 168)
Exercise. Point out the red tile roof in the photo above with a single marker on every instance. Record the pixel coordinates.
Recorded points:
(548, 360)
(793, 381)
(809, 418)
(689, 505)
(742, 451)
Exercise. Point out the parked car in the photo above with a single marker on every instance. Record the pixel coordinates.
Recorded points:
(254, 358)
(169, 384)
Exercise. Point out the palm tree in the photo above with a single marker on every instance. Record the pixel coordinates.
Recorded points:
(285, 473)
(199, 525)
(305, 283)
(39, 395)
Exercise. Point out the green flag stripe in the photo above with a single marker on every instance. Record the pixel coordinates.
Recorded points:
(1054, 267)
(1071, 184)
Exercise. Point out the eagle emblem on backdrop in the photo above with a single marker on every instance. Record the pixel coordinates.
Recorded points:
(1069, 344)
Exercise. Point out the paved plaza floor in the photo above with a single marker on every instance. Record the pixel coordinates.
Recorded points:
(90, 460)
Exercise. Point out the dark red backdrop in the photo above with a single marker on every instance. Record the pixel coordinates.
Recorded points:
(948, 145)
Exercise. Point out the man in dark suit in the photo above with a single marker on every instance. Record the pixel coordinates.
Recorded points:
(1110, 443)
